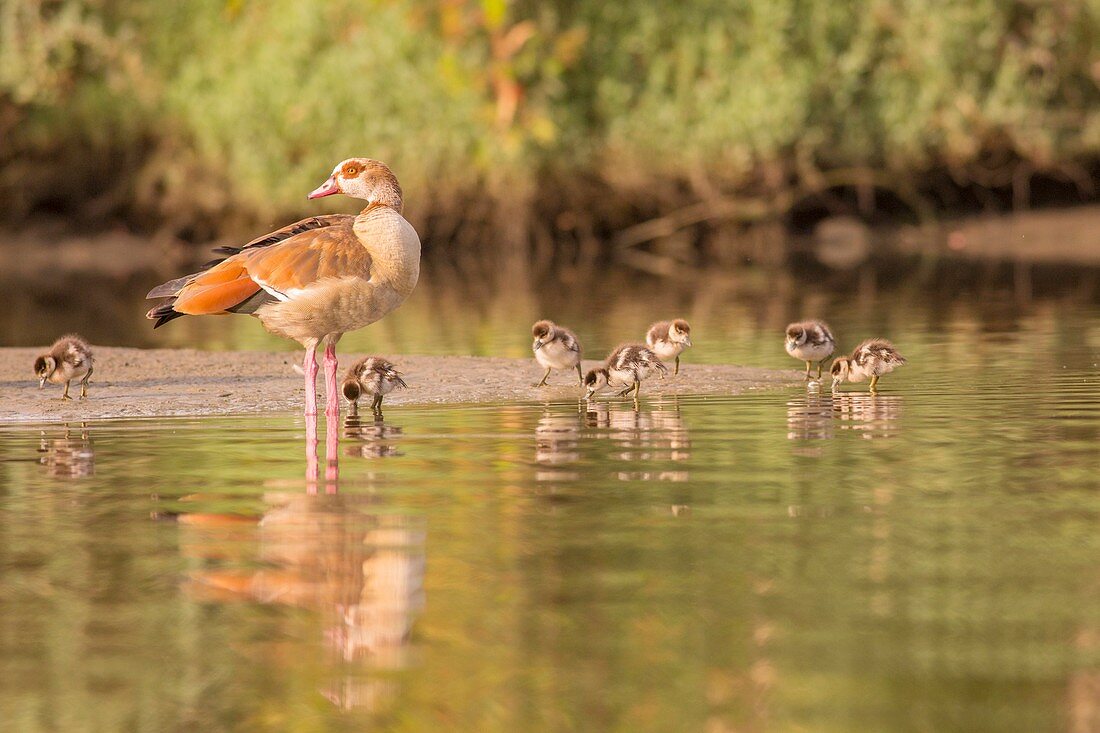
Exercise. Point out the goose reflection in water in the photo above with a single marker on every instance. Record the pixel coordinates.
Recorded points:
(654, 435)
(69, 454)
(360, 570)
(363, 572)
(816, 416)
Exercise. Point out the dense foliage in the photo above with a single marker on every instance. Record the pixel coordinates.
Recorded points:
(208, 113)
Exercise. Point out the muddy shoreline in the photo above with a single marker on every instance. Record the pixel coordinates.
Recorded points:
(130, 383)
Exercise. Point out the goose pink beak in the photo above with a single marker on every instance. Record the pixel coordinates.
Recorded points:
(327, 188)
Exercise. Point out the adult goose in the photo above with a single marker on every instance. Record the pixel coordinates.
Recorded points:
(317, 279)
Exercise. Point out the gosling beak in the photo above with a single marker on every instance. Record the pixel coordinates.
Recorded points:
(687, 342)
(836, 383)
(41, 382)
(327, 188)
(588, 393)
(538, 345)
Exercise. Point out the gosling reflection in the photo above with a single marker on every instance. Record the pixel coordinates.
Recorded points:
(817, 416)
(556, 445)
(657, 434)
(371, 436)
(871, 415)
(70, 454)
(810, 417)
(362, 571)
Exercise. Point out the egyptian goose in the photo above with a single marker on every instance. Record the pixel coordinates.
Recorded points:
(626, 367)
(372, 376)
(555, 347)
(872, 358)
(69, 358)
(315, 280)
(810, 341)
(668, 339)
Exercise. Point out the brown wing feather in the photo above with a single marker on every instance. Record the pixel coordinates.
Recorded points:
(298, 227)
(313, 223)
(216, 290)
(290, 263)
(308, 257)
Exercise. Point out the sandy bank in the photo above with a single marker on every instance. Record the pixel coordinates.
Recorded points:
(168, 382)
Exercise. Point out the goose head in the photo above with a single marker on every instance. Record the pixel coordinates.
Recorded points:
(363, 178)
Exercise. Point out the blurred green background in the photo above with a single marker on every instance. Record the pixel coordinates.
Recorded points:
(507, 121)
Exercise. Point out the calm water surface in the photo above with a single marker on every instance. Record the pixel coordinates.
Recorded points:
(923, 560)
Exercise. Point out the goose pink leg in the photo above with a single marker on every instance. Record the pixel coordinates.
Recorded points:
(309, 368)
(332, 399)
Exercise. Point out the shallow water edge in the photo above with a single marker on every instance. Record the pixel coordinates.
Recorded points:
(169, 382)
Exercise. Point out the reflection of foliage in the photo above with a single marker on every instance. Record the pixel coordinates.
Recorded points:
(491, 99)
(853, 588)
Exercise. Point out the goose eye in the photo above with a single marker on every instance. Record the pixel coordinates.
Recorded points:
(351, 170)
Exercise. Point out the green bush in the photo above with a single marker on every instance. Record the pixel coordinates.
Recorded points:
(211, 113)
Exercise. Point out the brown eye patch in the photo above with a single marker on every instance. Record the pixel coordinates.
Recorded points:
(351, 170)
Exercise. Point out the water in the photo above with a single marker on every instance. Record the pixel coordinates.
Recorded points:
(923, 560)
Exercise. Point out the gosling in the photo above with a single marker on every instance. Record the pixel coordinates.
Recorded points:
(810, 341)
(372, 376)
(555, 347)
(872, 358)
(69, 358)
(668, 339)
(626, 367)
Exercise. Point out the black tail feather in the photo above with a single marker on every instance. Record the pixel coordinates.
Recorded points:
(164, 319)
(164, 313)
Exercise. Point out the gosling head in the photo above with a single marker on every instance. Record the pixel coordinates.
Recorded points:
(363, 178)
(841, 370)
(594, 381)
(796, 336)
(352, 391)
(44, 367)
(680, 332)
(542, 330)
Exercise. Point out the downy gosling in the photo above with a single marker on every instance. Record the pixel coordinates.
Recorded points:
(810, 341)
(555, 347)
(69, 358)
(626, 367)
(668, 339)
(372, 376)
(872, 358)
